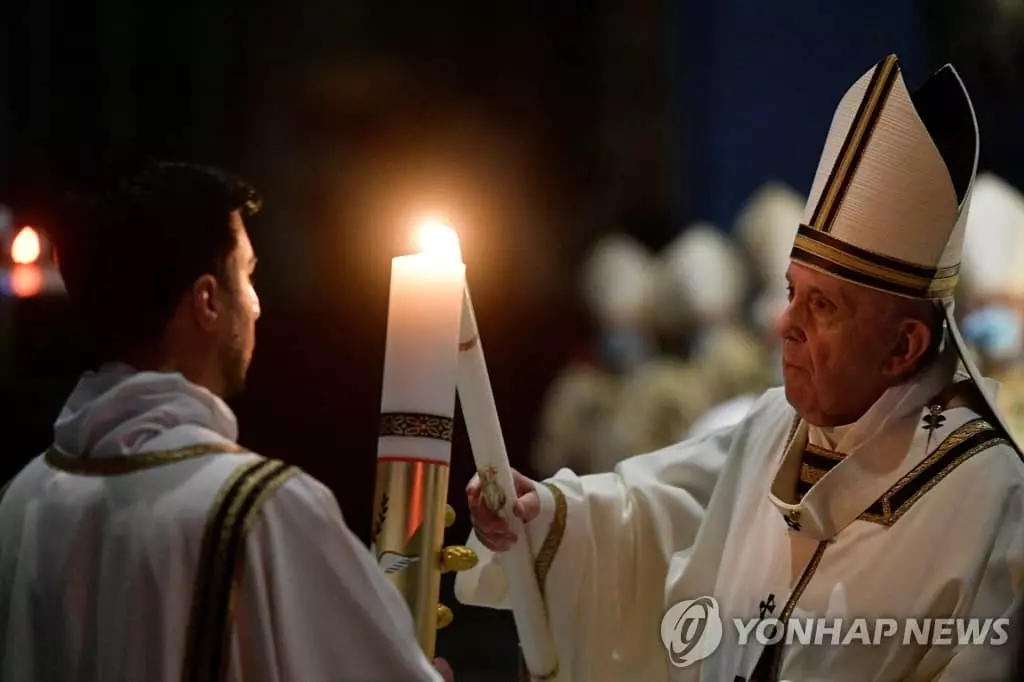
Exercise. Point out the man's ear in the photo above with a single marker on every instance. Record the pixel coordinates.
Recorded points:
(206, 305)
(913, 339)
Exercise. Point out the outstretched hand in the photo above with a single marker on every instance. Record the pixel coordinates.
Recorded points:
(493, 531)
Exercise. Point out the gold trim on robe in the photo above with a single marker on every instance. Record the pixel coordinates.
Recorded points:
(553, 540)
(542, 565)
(815, 463)
(973, 437)
(769, 664)
(221, 560)
(128, 464)
(965, 442)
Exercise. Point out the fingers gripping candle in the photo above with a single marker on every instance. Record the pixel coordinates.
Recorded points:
(417, 409)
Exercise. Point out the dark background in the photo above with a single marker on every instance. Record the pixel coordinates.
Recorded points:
(535, 126)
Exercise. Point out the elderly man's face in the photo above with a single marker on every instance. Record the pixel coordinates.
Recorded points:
(842, 346)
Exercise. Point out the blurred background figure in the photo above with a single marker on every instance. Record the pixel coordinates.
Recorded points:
(616, 287)
(617, 290)
(765, 228)
(701, 285)
(993, 273)
(707, 351)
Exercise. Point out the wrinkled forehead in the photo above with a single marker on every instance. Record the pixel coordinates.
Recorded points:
(801, 276)
(804, 275)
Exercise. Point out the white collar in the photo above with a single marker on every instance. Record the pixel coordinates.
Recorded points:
(828, 436)
(118, 410)
(879, 448)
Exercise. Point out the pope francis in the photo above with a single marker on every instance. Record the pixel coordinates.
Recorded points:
(877, 483)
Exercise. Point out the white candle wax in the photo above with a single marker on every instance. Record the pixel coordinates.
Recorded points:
(421, 351)
(488, 446)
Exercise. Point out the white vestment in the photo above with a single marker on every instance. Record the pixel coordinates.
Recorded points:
(922, 518)
(101, 555)
(723, 415)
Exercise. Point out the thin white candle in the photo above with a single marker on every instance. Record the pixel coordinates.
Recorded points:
(477, 402)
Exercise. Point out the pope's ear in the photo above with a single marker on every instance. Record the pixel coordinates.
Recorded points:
(914, 337)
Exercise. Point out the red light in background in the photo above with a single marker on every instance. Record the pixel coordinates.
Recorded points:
(26, 280)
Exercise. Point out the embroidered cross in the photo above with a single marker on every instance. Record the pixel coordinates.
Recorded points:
(934, 419)
(767, 606)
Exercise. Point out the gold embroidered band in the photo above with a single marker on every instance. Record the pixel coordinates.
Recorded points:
(972, 438)
(546, 557)
(546, 554)
(769, 663)
(815, 463)
(127, 464)
(826, 253)
(411, 425)
(221, 560)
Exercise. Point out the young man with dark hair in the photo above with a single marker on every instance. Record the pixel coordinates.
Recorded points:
(145, 544)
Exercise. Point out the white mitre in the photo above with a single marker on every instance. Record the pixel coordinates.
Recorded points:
(889, 203)
(701, 279)
(617, 281)
(993, 260)
(765, 228)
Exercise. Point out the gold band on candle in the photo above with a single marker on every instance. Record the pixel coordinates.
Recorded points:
(412, 425)
(409, 504)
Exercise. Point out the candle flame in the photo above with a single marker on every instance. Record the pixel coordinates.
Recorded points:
(25, 249)
(438, 238)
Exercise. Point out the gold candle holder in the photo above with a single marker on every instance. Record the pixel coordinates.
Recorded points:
(409, 511)
(415, 439)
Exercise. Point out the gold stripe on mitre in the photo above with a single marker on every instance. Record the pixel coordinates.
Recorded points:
(823, 252)
(856, 141)
(815, 246)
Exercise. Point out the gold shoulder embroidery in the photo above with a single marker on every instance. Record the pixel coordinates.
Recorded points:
(965, 442)
(548, 550)
(116, 466)
(542, 565)
(767, 667)
(221, 563)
